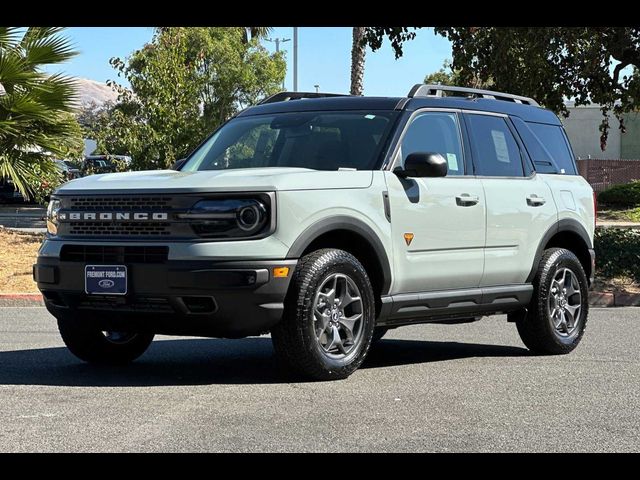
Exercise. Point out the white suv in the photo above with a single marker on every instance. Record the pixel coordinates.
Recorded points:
(327, 220)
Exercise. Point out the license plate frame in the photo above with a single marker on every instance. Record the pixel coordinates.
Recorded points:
(99, 284)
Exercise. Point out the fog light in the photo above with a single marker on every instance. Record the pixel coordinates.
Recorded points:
(280, 272)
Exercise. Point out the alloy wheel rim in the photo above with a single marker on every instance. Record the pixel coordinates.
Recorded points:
(565, 302)
(338, 316)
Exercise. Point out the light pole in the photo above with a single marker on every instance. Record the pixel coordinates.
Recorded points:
(317, 88)
(278, 41)
(295, 59)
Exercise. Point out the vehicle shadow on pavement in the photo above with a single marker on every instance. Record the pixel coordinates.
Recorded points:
(212, 361)
(391, 352)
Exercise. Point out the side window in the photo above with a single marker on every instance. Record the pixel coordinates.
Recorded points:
(542, 159)
(554, 140)
(496, 152)
(437, 132)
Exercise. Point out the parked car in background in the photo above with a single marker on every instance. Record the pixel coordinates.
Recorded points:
(103, 163)
(69, 172)
(9, 193)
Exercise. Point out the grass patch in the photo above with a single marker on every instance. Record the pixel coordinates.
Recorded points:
(610, 214)
(19, 252)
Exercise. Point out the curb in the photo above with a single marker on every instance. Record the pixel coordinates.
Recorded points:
(21, 300)
(609, 299)
(36, 297)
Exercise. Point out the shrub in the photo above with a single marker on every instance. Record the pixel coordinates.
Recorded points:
(617, 253)
(624, 195)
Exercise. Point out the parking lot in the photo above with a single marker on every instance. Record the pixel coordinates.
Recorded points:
(424, 388)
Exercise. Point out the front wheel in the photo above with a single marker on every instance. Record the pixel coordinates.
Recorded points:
(378, 333)
(557, 315)
(329, 316)
(102, 347)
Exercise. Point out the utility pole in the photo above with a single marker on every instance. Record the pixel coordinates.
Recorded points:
(295, 59)
(278, 41)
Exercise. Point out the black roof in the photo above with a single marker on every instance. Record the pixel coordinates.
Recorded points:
(528, 113)
(346, 102)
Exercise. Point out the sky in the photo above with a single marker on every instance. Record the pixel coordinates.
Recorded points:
(324, 57)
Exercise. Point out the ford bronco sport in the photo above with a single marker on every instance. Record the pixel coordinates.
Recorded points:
(327, 220)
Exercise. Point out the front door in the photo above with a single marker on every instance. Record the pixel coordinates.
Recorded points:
(438, 224)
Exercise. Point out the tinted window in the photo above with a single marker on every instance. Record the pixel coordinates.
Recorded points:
(542, 159)
(436, 132)
(317, 140)
(496, 152)
(554, 140)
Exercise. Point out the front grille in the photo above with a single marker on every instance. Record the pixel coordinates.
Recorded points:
(120, 203)
(114, 254)
(87, 229)
(147, 229)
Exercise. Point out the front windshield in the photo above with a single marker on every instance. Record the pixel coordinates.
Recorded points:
(317, 140)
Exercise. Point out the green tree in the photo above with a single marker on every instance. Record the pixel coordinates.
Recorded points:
(36, 108)
(587, 64)
(358, 53)
(447, 75)
(184, 84)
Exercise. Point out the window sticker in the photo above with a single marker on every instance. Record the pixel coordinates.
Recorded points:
(500, 142)
(452, 160)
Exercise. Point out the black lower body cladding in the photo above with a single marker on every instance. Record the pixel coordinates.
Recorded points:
(203, 298)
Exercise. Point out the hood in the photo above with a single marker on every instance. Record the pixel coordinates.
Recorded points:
(235, 180)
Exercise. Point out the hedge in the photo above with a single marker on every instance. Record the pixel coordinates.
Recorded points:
(623, 195)
(617, 253)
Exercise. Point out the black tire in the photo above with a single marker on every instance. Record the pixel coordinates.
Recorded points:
(536, 328)
(378, 333)
(94, 346)
(295, 340)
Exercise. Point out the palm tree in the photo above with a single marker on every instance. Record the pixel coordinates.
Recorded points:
(35, 108)
(256, 32)
(358, 52)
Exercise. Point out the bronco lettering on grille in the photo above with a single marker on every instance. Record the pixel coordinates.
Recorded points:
(110, 216)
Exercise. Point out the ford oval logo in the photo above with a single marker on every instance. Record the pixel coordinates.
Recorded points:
(106, 283)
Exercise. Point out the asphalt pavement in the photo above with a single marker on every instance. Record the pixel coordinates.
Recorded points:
(471, 387)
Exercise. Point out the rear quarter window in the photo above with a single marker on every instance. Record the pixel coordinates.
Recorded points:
(554, 141)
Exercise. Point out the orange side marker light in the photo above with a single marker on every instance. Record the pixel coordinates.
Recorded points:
(280, 272)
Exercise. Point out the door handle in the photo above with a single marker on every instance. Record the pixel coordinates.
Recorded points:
(535, 201)
(466, 200)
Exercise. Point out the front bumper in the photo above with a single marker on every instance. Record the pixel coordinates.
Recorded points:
(205, 298)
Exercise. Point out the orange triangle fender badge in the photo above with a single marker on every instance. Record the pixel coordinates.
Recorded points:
(408, 238)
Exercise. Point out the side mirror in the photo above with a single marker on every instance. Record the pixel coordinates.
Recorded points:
(423, 164)
(178, 164)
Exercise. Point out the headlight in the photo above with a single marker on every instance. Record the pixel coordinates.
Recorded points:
(52, 216)
(228, 218)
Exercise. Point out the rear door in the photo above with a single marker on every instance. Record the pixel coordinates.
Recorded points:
(520, 206)
(438, 224)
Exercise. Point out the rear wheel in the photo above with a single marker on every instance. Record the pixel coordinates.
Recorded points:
(557, 315)
(329, 316)
(102, 347)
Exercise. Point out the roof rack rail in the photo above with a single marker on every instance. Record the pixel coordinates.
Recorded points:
(286, 96)
(422, 90)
